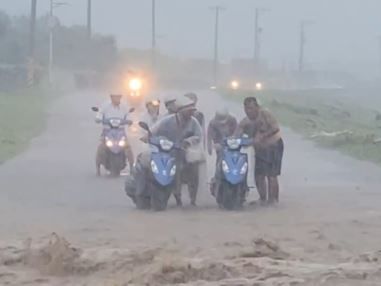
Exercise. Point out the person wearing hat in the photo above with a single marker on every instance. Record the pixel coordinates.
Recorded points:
(260, 125)
(222, 126)
(184, 130)
(112, 109)
(152, 114)
(197, 114)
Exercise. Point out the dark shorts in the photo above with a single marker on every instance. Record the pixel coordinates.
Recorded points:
(268, 161)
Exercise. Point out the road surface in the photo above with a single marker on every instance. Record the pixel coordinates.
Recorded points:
(325, 231)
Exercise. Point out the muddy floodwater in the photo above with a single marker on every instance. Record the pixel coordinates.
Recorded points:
(61, 225)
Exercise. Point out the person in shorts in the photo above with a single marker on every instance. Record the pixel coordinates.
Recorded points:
(260, 125)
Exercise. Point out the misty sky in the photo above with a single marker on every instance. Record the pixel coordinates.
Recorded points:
(344, 32)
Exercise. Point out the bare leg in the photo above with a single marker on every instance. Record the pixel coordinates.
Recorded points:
(260, 181)
(273, 190)
(177, 190)
(192, 182)
(98, 159)
(130, 157)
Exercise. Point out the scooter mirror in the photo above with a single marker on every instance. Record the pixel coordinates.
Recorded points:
(144, 126)
(95, 109)
(132, 109)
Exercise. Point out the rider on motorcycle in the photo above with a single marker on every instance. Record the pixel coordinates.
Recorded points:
(170, 105)
(222, 126)
(112, 109)
(197, 114)
(152, 114)
(184, 130)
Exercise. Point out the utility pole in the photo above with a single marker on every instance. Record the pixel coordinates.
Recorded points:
(153, 39)
(89, 18)
(217, 10)
(32, 36)
(52, 24)
(379, 52)
(257, 35)
(302, 44)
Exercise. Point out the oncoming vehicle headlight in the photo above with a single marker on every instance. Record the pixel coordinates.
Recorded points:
(234, 84)
(225, 167)
(135, 84)
(154, 167)
(173, 171)
(109, 143)
(258, 86)
(166, 145)
(244, 169)
(233, 143)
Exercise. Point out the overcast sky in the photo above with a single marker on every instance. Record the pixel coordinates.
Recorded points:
(344, 33)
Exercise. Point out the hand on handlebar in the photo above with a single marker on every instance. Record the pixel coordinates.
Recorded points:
(144, 139)
(128, 122)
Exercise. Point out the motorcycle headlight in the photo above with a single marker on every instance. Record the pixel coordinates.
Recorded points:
(233, 143)
(109, 143)
(135, 84)
(154, 167)
(122, 142)
(244, 169)
(225, 167)
(173, 171)
(166, 145)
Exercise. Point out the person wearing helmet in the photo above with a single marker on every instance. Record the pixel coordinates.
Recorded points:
(197, 114)
(222, 126)
(111, 109)
(170, 105)
(184, 130)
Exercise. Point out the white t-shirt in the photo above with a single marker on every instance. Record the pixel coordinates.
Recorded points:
(110, 110)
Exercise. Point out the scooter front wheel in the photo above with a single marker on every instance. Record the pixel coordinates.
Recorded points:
(160, 197)
(229, 197)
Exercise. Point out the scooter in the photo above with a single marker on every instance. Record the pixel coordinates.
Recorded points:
(115, 140)
(231, 185)
(162, 175)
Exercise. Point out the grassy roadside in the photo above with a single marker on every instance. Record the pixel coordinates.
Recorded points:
(344, 120)
(22, 117)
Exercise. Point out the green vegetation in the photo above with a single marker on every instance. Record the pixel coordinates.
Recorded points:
(22, 117)
(340, 119)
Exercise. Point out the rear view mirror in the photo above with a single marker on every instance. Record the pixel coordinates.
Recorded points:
(144, 126)
(95, 109)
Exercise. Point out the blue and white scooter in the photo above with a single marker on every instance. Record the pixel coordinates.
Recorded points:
(232, 182)
(163, 169)
(115, 140)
